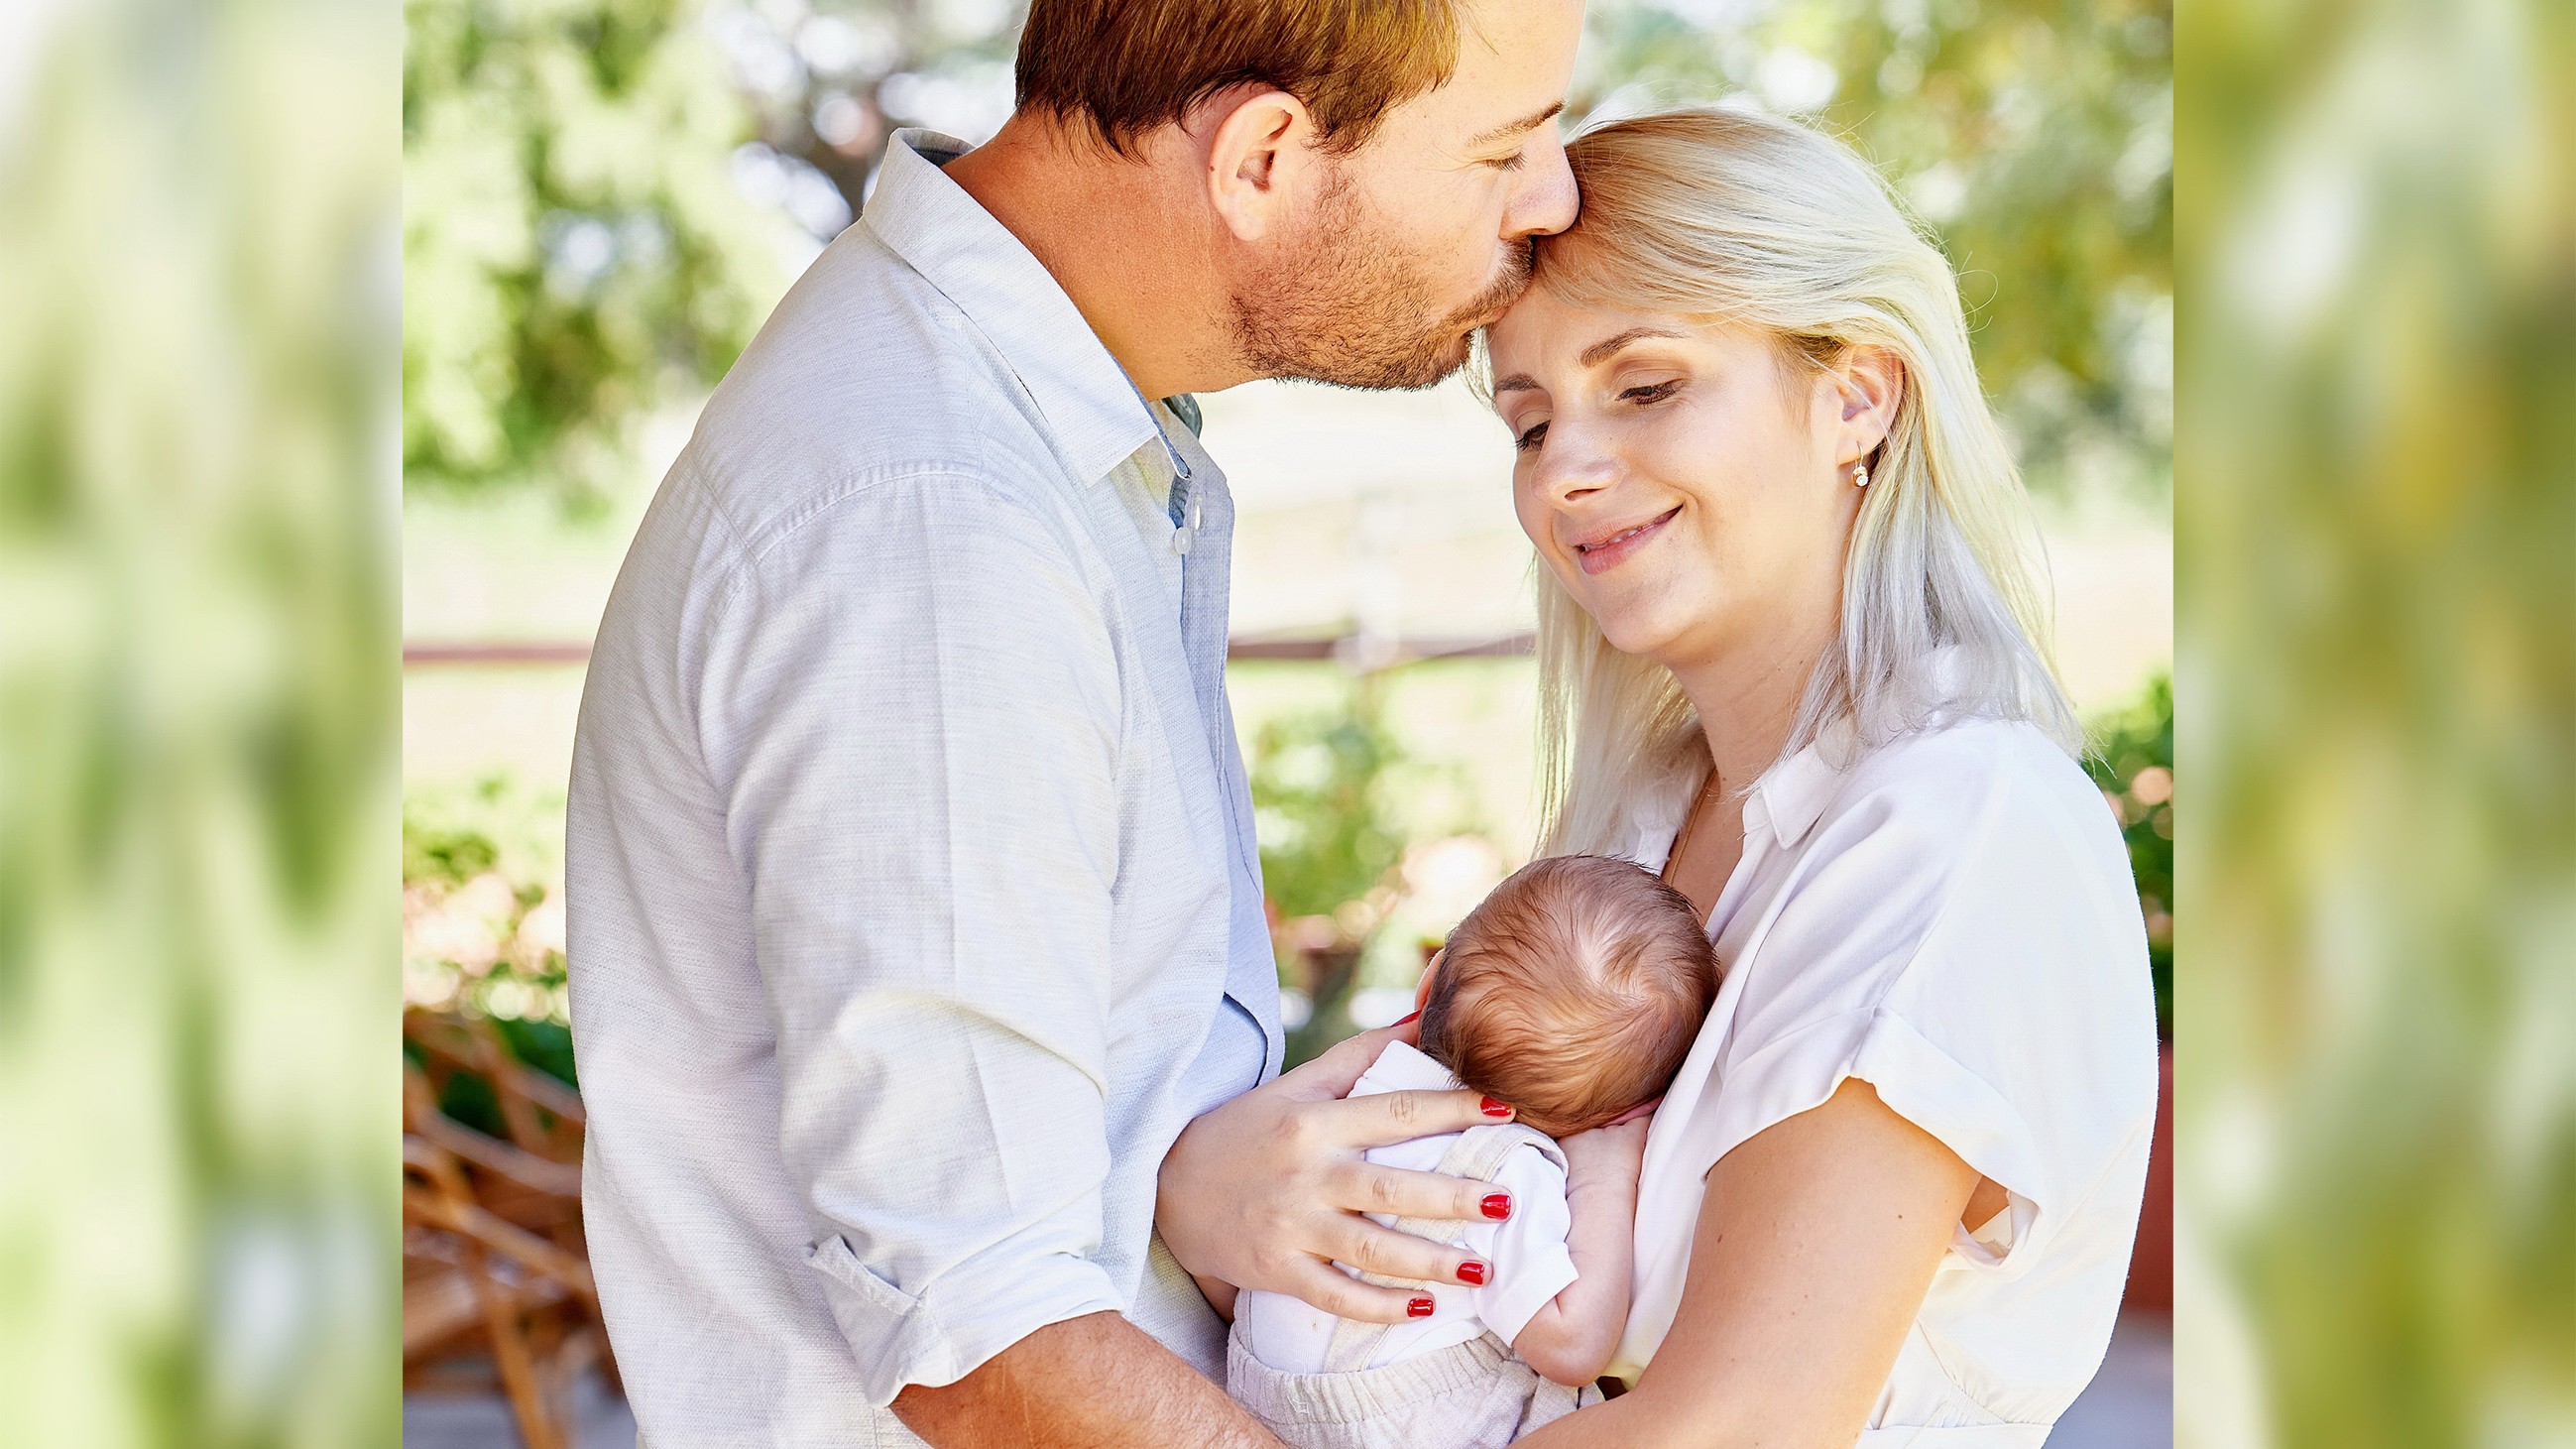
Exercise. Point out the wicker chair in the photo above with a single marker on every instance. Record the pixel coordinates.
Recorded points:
(493, 1258)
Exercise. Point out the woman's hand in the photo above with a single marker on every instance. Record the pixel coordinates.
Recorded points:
(1266, 1191)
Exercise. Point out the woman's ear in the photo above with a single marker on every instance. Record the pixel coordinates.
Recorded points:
(1259, 157)
(1869, 385)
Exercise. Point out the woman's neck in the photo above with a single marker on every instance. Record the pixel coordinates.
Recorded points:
(1748, 699)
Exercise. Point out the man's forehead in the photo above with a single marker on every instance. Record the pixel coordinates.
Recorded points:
(1511, 72)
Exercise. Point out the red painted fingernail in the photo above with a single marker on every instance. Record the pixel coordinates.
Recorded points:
(1496, 1205)
(1493, 1108)
(1408, 1016)
(1418, 1308)
(1473, 1272)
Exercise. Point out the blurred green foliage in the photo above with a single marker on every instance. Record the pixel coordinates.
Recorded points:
(2133, 763)
(2375, 1084)
(2034, 136)
(1324, 810)
(199, 1128)
(574, 248)
(483, 907)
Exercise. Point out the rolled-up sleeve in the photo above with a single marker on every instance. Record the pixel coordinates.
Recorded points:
(911, 708)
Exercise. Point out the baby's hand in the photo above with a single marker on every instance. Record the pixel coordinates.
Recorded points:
(1608, 1154)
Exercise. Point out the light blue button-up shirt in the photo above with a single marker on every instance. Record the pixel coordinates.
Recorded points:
(914, 901)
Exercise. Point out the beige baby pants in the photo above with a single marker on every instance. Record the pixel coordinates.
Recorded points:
(1472, 1395)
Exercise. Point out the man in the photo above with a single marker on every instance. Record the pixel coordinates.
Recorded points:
(915, 907)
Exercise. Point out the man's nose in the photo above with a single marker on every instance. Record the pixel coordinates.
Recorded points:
(1547, 201)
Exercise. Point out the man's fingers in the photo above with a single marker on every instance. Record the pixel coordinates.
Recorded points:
(1332, 1075)
(1338, 1293)
(1365, 1245)
(1366, 1187)
(1386, 1118)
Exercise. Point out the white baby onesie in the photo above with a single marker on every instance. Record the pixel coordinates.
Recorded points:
(1525, 1254)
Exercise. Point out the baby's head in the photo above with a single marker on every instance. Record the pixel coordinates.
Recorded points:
(1573, 992)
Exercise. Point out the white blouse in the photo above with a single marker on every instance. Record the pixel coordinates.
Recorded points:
(1952, 920)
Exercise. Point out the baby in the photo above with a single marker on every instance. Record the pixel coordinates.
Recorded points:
(1573, 993)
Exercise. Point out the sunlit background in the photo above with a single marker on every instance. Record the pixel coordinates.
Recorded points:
(212, 215)
(602, 200)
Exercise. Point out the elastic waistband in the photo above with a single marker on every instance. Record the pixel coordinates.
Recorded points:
(1367, 1393)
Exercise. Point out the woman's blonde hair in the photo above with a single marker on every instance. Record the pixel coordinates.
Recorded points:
(1731, 218)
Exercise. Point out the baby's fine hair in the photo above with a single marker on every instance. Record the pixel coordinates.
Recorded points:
(1573, 992)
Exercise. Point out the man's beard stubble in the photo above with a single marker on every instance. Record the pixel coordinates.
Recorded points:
(1347, 309)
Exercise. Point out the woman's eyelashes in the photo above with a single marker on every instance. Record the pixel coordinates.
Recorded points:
(1643, 395)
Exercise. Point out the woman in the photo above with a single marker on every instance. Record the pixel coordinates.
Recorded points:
(1791, 655)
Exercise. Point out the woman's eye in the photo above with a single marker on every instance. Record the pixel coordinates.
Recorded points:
(1530, 439)
(1651, 393)
(1507, 163)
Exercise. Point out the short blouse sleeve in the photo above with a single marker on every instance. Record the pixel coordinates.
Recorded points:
(1962, 935)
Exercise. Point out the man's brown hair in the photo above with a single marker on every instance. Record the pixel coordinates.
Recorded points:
(1129, 66)
(1573, 992)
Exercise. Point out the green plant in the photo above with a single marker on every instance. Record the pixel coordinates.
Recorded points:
(483, 911)
(2133, 763)
(1323, 811)
(1330, 840)
(574, 249)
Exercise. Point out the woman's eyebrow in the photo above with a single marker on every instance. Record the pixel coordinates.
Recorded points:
(1593, 356)
(1599, 352)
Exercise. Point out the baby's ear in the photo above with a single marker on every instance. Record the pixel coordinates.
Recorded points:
(1430, 969)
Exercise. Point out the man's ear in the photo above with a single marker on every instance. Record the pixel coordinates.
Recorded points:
(1869, 386)
(1259, 157)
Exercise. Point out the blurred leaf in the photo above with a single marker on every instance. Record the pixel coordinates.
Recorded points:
(574, 249)
(1325, 815)
(2133, 763)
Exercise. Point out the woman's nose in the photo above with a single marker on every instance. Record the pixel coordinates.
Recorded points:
(1571, 464)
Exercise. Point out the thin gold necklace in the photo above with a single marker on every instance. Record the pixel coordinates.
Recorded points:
(1690, 822)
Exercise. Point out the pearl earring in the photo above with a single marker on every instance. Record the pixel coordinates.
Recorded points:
(1860, 475)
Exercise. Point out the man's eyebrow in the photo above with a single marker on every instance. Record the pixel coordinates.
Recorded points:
(1504, 133)
(1594, 355)
(1517, 382)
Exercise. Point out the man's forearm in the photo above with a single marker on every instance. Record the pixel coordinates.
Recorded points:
(1094, 1382)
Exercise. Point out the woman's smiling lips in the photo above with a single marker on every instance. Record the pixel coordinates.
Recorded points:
(1607, 549)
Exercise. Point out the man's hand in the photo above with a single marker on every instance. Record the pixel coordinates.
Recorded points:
(1094, 1382)
(1266, 1191)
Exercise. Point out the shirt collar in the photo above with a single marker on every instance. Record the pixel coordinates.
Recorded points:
(1792, 795)
(1404, 1068)
(1094, 412)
